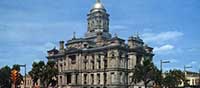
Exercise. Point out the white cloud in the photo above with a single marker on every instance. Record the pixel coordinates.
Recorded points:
(163, 48)
(47, 46)
(192, 63)
(118, 27)
(162, 37)
(36, 60)
(173, 60)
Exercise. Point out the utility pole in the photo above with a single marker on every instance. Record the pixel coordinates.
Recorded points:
(185, 73)
(24, 74)
(161, 64)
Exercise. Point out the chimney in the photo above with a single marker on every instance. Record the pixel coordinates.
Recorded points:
(62, 46)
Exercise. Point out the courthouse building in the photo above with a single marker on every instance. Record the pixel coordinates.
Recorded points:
(98, 60)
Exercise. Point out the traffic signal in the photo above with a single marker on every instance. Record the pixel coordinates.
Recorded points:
(14, 75)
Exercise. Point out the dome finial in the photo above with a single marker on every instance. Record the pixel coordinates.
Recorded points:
(137, 34)
(98, 1)
(116, 35)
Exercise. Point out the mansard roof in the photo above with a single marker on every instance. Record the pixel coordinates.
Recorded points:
(135, 38)
(53, 50)
(78, 40)
(117, 38)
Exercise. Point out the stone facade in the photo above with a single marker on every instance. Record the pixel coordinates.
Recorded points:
(29, 82)
(98, 60)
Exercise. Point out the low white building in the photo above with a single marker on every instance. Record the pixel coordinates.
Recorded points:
(192, 78)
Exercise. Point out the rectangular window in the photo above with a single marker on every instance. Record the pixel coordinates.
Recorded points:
(61, 80)
(92, 65)
(99, 63)
(68, 78)
(98, 78)
(105, 78)
(73, 59)
(112, 77)
(138, 59)
(105, 64)
(92, 78)
(76, 80)
(85, 62)
(85, 65)
(85, 78)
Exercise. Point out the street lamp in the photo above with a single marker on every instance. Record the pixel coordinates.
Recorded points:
(24, 74)
(186, 67)
(161, 64)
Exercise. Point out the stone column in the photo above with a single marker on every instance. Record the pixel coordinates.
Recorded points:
(65, 79)
(79, 79)
(67, 63)
(117, 64)
(79, 62)
(97, 62)
(108, 78)
(130, 60)
(73, 78)
(102, 62)
(81, 66)
(108, 60)
(102, 78)
(117, 77)
(88, 78)
(95, 78)
(134, 61)
(87, 64)
(59, 80)
(82, 79)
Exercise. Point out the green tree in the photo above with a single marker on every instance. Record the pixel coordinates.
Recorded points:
(173, 78)
(45, 72)
(16, 67)
(146, 72)
(37, 71)
(50, 73)
(5, 81)
(157, 77)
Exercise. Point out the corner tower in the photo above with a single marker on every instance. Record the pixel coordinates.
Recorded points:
(98, 21)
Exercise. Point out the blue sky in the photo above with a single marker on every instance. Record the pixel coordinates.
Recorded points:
(28, 28)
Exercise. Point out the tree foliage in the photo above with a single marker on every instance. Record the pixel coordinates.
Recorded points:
(5, 81)
(146, 72)
(36, 72)
(45, 72)
(5, 76)
(16, 67)
(174, 78)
